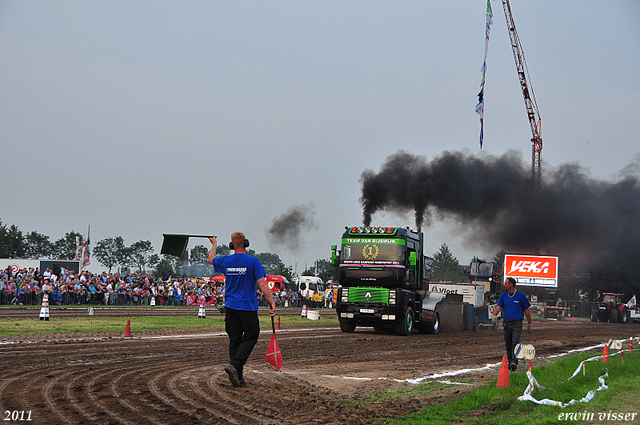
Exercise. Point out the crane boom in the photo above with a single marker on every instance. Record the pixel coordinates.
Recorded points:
(527, 93)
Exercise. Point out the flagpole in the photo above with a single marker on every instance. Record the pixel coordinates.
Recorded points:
(77, 247)
(86, 250)
(84, 244)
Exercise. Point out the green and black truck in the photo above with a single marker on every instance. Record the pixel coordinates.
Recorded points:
(382, 278)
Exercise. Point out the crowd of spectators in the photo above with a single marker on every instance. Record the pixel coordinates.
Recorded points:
(283, 298)
(27, 286)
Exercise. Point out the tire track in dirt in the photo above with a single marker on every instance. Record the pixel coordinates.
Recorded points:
(153, 386)
(120, 397)
(232, 401)
(195, 384)
(184, 390)
(90, 393)
(217, 396)
(172, 384)
(49, 400)
(137, 372)
(149, 394)
(3, 385)
(247, 407)
(74, 402)
(31, 387)
(120, 371)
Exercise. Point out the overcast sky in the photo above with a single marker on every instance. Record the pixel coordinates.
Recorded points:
(150, 117)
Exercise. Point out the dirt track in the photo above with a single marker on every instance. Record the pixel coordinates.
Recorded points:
(176, 376)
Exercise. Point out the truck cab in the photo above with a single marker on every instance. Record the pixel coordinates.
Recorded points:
(382, 277)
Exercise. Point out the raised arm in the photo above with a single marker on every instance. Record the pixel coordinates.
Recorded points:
(214, 244)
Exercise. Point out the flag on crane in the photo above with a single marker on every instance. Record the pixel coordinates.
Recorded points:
(480, 105)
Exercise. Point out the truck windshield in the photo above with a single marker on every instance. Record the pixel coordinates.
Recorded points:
(372, 253)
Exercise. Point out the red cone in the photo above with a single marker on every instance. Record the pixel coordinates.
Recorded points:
(127, 330)
(605, 353)
(278, 323)
(503, 377)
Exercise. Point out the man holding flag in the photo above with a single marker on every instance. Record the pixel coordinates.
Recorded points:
(241, 272)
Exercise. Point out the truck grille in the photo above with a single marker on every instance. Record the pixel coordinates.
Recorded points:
(377, 295)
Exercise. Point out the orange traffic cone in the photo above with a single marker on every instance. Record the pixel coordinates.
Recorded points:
(127, 330)
(630, 344)
(605, 354)
(278, 323)
(503, 377)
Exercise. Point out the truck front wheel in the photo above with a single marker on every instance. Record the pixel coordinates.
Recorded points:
(405, 325)
(594, 315)
(348, 325)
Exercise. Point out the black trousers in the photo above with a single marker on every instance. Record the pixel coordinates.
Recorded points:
(243, 329)
(512, 332)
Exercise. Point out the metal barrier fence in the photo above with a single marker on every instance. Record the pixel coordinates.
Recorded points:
(581, 308)
(88, 298)
(568, 309)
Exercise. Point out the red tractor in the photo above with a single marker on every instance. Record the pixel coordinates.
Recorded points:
(610, 309)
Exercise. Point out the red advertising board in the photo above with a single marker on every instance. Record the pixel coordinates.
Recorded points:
(532, 270)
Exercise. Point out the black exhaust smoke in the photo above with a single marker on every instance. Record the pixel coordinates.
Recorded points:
(572, 214)
(286, 229)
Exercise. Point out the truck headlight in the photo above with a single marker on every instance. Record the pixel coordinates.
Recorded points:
(392, 297)
(345, 295)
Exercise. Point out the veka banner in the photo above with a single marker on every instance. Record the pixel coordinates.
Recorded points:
(532, 270)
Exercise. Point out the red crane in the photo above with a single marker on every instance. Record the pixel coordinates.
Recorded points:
(527, 93)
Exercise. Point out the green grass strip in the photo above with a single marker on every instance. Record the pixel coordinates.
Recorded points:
(33, 325)
(489, 405)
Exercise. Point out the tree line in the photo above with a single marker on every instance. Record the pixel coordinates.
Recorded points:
(140, 257)
(112, 253)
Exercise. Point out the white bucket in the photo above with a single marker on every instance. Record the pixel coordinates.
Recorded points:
(313, 315)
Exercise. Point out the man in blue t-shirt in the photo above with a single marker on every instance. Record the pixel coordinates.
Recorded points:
(514, 305)
(241, 272)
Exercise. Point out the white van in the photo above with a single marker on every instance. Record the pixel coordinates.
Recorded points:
(308, 284)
